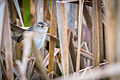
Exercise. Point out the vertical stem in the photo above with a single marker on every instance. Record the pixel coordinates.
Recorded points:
(40, 10)
(100, 31)
(118, 36)
(110, 31)
(2, 10)
(118, 33)
(26, 13)
(65, 40)
(13, 11)
(79, 33)
(8, 44)
(52, 42)
(62, 28)
(46, 14)
(96, 35)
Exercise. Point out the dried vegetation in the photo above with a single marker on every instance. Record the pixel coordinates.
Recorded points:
(82, 42)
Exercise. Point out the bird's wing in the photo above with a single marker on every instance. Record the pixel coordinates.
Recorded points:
(21, 37)
(31, 28)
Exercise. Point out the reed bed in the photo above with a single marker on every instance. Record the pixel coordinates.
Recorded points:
(81, 44)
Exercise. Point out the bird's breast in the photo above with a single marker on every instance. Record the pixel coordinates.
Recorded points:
(39, 40)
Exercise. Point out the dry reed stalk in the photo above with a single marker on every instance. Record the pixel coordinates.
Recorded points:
(13, 12)
(79, 34)
(40, 4)
(7, 43)
(2, 10)
(86, 61)
(87, 17)
(118, 33)
(95, 34)
(65, 40)
(71, 69)
(109, 70)
(19, 13)
(86, 54)
(72, 51)
(15, 67)
(83, 74)
(26, 52)
(55, 38)
(59, 64)
(118, 37)
(16, 70)
(106, 71)
(100, 26)
(30, 66)
(111, 30)
(52, 41)
(71, 15)
(46, 13)
(46, 60)
(73, 75)
(62, 28)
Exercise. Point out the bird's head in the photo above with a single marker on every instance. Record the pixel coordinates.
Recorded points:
(41, 27)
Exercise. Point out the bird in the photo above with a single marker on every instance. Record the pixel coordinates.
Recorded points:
(40, 29)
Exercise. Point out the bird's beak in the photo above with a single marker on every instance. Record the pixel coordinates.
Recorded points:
(48, 25)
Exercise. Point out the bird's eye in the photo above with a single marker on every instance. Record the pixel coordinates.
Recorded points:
(41, 26)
